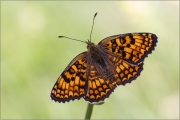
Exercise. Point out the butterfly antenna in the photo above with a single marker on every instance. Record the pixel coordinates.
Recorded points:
(92, 25)
(71, 38)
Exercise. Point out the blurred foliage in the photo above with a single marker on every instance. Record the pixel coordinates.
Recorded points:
(32, 57)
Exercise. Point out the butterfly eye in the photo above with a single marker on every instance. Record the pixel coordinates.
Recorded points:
(87, 46)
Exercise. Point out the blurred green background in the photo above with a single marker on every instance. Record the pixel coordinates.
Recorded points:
(32, 57)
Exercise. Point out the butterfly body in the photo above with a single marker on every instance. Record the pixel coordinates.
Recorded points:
(99, 56)
(94, 74)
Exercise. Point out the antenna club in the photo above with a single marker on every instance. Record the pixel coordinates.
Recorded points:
(60, 36)
(95, 14)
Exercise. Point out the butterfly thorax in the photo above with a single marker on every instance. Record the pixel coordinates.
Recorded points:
(95, 52)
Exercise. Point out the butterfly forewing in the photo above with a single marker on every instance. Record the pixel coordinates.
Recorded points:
(131, 47)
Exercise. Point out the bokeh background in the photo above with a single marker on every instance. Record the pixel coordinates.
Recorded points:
(32, 57)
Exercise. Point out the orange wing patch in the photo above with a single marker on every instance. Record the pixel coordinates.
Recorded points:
(131, 47)
(72, 83)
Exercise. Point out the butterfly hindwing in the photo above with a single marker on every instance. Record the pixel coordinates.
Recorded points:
(125, 72)
(72, 83)
(131, 47)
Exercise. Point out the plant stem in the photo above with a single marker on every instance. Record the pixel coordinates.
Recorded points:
(89, 111)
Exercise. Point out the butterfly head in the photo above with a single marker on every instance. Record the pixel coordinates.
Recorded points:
(90, 44)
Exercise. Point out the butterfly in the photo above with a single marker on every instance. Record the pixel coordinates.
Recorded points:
(95, 73)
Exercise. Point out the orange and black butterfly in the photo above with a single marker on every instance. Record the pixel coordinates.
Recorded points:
(94, 74)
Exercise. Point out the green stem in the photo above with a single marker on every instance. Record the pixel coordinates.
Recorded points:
(89, 111)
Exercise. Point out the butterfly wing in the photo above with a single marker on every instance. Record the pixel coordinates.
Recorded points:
(131, 47)
(125, 72)
(72, 83)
